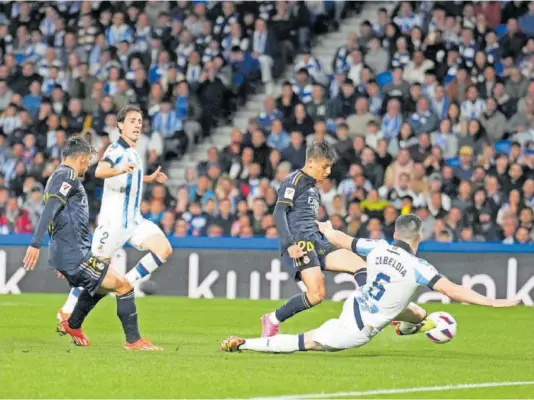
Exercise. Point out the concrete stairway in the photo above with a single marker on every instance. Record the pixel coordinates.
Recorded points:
(324, 51)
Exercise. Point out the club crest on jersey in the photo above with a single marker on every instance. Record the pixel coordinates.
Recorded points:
(64, 189)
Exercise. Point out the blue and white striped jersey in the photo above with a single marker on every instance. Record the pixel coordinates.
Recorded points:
(467, 52)
(401, 59)
(122, 194)
(304, 93)
(116, 34)
(472, 109)
(407, 23)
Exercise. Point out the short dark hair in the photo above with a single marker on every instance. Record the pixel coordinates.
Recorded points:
(321, 150)
(77, 145)
(121, 116)
(408, 227)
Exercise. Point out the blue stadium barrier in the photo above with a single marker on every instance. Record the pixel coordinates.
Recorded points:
(384, 78)
(503, 146)
(230, 243)
(501, 30)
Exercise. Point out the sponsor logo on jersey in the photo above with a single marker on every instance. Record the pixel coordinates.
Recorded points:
(314, 204)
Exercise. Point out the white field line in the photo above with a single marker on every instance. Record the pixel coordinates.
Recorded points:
(396, 391)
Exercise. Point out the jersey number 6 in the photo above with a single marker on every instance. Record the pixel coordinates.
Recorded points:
(377, 290)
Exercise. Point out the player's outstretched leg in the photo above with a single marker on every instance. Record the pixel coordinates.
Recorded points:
(275, 344)
(343, 260)
(148, 264)
(315, 294)
(73, 325)
(66, 310)
(159, 252)
(127, 311)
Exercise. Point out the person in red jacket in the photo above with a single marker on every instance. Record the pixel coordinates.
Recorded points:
(15, 220)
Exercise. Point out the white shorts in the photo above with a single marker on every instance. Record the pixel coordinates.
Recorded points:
(343, 332)
(109, 239)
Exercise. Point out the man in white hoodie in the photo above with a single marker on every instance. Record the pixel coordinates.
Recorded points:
(415, 70)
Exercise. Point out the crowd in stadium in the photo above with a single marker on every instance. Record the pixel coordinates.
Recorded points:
(430, 109)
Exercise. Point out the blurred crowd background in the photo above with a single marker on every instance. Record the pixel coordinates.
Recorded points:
(430, 107)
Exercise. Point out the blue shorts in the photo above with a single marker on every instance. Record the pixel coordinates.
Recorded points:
(88, 275)
(315, 251)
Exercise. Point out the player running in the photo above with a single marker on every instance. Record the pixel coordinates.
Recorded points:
(305, 252)
(66, 217)
(394, 274)
(120, 219)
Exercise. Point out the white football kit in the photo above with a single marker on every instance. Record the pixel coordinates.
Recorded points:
(120, 218)
(394, 274)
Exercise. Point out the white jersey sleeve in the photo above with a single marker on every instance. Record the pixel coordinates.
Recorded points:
(113, 154)
(425, 273)
(363, 247)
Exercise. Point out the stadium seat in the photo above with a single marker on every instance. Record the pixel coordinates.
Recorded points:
(448, 80)
(503, 146)
(453, 161)
(501, 30)
(499, 69)
(384, 78)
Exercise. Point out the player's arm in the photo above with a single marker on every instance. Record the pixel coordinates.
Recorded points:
(156, 176)
(427, 275)
(337, 238)
(107, 167)
(465, 295)
(361, 247)
(55, 198)
(286, 196)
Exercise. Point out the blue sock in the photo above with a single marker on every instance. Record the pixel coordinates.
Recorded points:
(293, 306)
(301, 342)
(148, 264)
(127, 313)
(86, 302)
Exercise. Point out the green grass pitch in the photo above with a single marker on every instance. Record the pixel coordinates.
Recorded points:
(492, 345)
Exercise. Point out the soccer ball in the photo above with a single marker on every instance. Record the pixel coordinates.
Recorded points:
(445, 328)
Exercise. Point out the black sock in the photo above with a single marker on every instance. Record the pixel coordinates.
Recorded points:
(293, 306)
(83, 307)
(360, 276)
(127, 313)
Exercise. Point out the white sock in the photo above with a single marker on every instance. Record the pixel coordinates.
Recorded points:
(69, 305)
(273, 319)
(148, 264)
(275, 344)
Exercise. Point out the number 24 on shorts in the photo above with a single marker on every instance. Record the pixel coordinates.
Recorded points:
(306, 246)
(377, 290)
